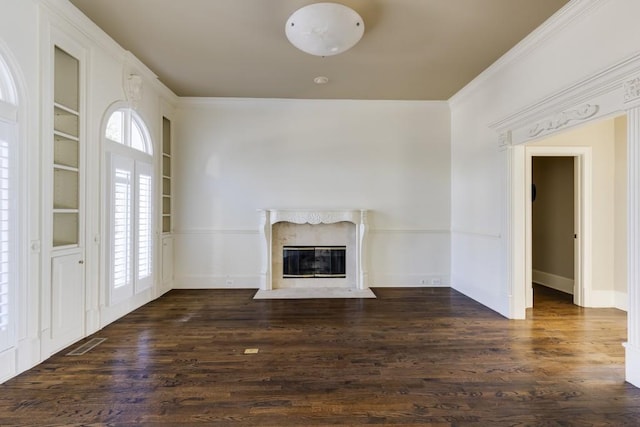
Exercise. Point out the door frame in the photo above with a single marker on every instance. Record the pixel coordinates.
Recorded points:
(583, 179)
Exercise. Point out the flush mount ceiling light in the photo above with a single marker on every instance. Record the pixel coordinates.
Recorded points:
(324, 29)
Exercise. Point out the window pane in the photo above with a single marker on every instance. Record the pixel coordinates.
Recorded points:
(137, 138)
(115, 125)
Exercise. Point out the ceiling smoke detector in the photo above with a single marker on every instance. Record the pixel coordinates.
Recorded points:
(324, 29)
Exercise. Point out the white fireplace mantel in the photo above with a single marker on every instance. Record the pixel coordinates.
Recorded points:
(269, 217)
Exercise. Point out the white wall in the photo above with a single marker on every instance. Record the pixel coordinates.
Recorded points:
(235, 156)
(548, 62)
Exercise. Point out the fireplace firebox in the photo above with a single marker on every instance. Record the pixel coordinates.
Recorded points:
(313, 262)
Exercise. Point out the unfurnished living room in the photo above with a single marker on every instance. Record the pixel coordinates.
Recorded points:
(297, 213)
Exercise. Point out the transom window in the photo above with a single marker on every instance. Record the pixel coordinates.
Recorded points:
(126, 127)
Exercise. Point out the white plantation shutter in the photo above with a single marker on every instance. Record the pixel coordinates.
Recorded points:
(144, 198)
(120, 216)
(6, 261)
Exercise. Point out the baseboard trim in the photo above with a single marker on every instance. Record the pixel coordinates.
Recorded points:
(621, 300)
(216, 282)
(553, 281)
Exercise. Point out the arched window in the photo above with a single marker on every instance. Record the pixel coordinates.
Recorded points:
(127, 128)
(8, 214)
(130, 199)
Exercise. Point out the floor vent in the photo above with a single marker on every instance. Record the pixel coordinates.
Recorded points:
(84, 348)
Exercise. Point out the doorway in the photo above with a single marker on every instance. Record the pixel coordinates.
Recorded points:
(554, 224)
(569, 234)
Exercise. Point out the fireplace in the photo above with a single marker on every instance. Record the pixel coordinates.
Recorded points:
(314, 262)
(311, 249)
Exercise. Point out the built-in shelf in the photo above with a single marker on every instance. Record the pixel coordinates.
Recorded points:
(65, 168)
(65, 121)
(166, 176)
(66, 151)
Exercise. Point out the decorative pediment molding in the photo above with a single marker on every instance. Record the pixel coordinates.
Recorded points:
(632, 90)
(606, 93)
(563, 119)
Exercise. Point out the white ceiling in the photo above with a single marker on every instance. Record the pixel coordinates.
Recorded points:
(411, 49)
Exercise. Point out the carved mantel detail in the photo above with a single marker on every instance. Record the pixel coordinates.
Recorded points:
(318, 217)
(563, 119)
(632, 90)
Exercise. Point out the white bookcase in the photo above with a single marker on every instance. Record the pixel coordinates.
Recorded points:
(66, 149)
(166, 176)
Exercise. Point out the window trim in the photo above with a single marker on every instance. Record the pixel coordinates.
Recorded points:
(9, 121)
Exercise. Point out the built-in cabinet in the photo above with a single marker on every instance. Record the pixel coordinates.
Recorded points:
(167, 205)
(64, 300)
(166, 176)
(67, 299)
(167, 262)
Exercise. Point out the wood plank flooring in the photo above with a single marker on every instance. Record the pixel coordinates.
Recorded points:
(427, 357)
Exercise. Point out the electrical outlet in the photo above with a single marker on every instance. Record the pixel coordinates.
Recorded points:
(229, 282)
(423, 281)
(435, 282)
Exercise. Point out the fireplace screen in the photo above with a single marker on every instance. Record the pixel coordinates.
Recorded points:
(313, 262)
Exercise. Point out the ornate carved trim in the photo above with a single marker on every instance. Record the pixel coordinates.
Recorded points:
(562, 119)
(632, 90)
(133, 89)
(504, 140)
(318, 217)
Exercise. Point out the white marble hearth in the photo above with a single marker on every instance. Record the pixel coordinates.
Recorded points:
(299, 293)
(345, 228)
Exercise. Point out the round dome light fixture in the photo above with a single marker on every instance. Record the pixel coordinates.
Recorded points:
(324, 29)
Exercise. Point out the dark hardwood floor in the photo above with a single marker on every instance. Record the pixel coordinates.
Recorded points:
(411, 357)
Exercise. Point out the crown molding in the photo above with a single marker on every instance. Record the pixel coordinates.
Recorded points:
(194, 101)
(551, 27)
